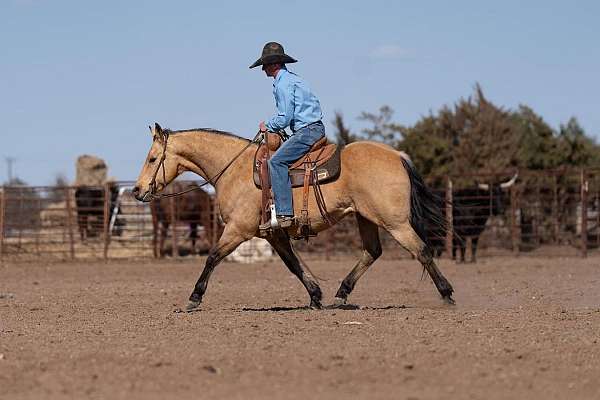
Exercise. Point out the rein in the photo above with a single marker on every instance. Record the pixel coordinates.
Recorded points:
(161, 164)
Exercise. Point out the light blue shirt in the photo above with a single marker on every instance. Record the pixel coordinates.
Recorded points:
(297, 106)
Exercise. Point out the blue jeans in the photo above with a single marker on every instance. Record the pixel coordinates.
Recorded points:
(291, 151)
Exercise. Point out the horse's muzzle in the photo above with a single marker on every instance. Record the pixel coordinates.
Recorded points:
(146, 197)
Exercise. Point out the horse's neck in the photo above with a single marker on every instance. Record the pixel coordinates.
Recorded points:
(208, 152)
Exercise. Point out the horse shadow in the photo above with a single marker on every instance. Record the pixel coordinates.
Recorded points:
(344, 307)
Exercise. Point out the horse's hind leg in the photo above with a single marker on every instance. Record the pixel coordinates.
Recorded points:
(163, 236)
(369, 236)
(281, 243)
(193, 235)
(408, 238)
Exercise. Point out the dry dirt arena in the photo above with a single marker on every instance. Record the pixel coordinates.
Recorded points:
(523, 328)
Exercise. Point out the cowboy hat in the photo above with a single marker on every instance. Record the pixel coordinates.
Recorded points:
(273, 54)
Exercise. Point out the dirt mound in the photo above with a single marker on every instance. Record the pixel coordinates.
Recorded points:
(91, 171)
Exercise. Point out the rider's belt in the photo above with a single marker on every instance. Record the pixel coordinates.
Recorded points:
(306, 126)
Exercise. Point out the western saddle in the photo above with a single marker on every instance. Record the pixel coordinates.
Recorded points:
(320, 165)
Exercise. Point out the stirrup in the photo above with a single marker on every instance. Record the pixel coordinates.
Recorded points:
(283, 222)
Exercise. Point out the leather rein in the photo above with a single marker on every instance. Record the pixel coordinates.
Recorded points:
(161, 164)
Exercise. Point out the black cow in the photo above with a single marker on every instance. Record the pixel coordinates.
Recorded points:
(90, 210)
(471, 208)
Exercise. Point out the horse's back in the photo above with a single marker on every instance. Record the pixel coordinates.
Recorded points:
(377, 160)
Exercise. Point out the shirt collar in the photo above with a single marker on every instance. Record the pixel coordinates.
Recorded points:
(280, 73)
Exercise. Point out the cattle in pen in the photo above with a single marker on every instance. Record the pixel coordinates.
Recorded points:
(471, 209)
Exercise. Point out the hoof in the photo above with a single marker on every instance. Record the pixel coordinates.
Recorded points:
(449, 300)
(193, 306)
(339, 302)
(316, 304)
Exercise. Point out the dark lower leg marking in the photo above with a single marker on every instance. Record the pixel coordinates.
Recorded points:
(281, 244)
(441, 283)
(228, 242)
(202, 283)
(369, 235)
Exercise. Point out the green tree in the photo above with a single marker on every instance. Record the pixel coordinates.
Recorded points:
(382, 128)
(343, 136)
(477, 135)
(538, 145)
(472, 135)
(577, 148)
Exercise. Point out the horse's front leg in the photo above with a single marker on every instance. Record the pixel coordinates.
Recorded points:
(228, 242)
(281, 243)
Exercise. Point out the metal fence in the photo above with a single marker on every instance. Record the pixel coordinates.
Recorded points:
(61, 223)
(543, 213)
(550, 213)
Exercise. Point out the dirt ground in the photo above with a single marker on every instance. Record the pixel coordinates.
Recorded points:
(523, 328)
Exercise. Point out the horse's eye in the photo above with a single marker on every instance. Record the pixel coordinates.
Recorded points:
(151, 160)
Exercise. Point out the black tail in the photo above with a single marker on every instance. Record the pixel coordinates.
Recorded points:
(424, 206)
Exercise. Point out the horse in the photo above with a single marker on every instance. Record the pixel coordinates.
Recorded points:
(378, 184)
(188, 208)
(89, 201)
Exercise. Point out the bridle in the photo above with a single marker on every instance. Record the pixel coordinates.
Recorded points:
(161, 165)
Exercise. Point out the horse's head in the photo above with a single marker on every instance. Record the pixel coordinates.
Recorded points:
(160, 167)
(497, 194)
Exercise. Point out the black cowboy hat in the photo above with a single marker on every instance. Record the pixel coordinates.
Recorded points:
(273, 54)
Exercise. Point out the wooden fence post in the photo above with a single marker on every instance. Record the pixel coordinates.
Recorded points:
(513, 220)
(106, 215)
(70, 222)
(37, 234)
(537, 216)
(555, 227)
(449, 218)
(20, 224)
(584, 192)
(154, 205)
(3, 194)
(172, 206)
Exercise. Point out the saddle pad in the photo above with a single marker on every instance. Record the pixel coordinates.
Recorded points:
(328, 170)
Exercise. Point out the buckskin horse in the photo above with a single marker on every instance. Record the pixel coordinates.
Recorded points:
(377, 184)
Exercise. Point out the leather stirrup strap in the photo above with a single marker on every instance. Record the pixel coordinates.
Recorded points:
(304, 221)
(265, 185)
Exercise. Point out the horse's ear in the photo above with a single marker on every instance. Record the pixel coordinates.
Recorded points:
(158, 132)
(151, 131)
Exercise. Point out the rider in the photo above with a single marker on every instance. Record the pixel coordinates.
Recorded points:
(298, 108)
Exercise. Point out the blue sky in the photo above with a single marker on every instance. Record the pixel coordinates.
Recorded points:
(83, 77)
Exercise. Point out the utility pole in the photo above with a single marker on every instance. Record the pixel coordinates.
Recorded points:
(9, 162)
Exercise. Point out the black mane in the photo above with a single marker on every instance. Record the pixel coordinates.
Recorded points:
(209, 130)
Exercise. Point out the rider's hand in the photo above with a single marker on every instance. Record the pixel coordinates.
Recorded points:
(262, 127)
